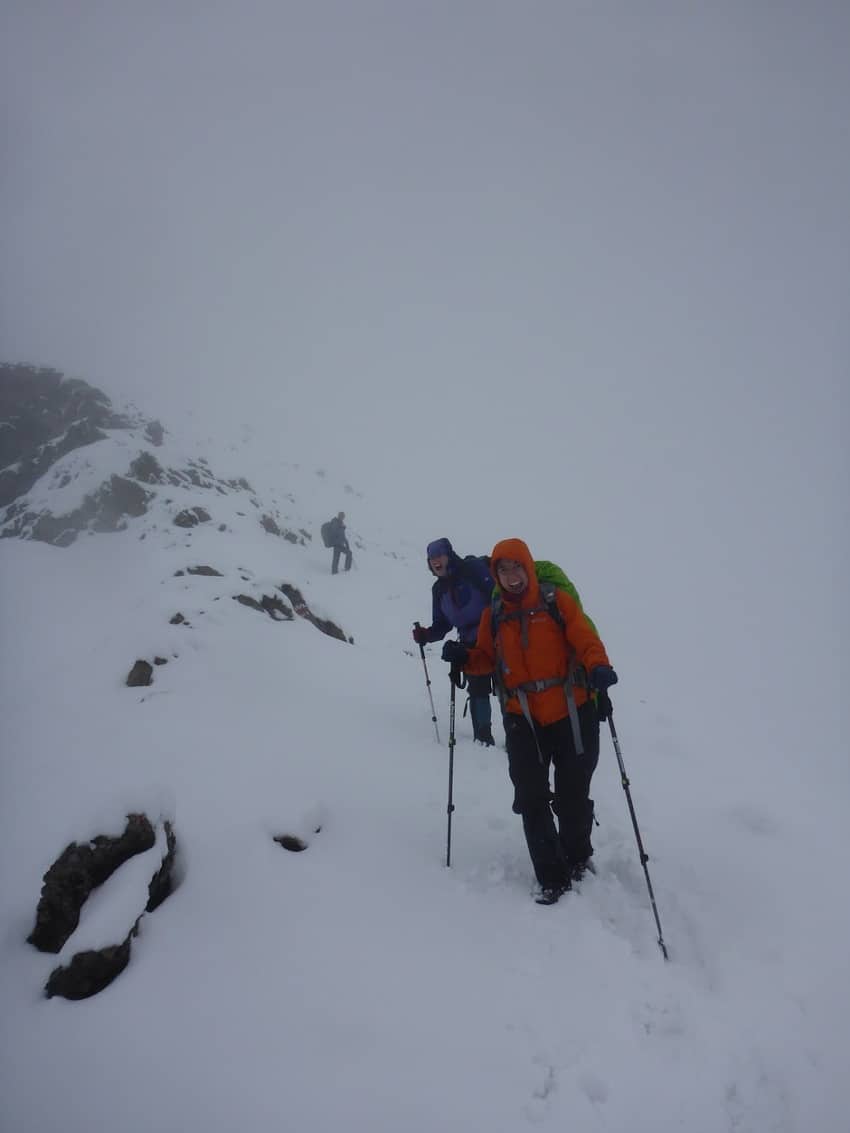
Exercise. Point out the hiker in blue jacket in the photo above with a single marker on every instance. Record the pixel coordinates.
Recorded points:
(459, 596)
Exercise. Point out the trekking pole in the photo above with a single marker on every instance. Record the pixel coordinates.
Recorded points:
(451, 805)
(644, 857)
(428, 685)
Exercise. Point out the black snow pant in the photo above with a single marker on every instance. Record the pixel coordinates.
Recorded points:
(554, 851)
(337, 552)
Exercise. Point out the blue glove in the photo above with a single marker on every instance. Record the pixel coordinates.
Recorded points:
(602, 677)
(455, 653)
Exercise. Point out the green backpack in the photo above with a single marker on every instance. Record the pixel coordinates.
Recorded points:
(551, 578)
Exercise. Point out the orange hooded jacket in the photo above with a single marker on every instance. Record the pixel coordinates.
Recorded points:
(549, 646)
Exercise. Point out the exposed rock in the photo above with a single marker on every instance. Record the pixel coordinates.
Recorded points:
(162, 882)
(178, 620)
(207, 571)
(90, 972)
(45, 416)
(147, 469)
(303, 610)
(294, 842)
(160, 660)
(276, 608)
(155, 433)
(104, 510)
(273, 606)
(291, 842)
(191, 517)
(270, 525)
(246, 600)
(140, 675)
(120, 498)
(78, 870)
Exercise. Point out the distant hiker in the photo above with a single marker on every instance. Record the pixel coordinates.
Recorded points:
(459, 596)
(333, 535)
(548, 659)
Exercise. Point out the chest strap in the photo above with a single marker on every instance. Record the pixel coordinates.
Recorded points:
(576, 676)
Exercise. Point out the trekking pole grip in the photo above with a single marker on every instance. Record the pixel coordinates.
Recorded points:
(416, 625)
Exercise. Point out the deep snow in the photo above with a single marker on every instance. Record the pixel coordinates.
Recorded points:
(361, 983)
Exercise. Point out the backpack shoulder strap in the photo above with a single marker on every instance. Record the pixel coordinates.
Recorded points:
(549, 594)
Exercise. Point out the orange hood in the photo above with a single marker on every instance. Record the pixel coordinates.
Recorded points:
(517, 550)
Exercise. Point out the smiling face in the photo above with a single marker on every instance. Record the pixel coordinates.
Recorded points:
(439, 565)
(512, 576)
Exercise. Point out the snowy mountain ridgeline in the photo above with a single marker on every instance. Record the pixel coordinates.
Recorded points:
(223, 895)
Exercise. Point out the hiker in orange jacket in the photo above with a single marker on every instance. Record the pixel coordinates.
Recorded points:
(548, 661)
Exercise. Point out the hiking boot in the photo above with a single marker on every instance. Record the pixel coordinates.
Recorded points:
(551, 894)
(485, 737)
(579, 868)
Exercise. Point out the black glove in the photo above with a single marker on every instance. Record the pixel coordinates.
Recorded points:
(602, 677)
(455, 653)
(458, 679)
(421, 634)
(604, 708)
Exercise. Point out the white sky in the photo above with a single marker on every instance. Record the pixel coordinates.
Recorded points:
(361, 984)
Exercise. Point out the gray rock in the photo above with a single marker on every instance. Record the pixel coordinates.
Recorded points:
(91, 971)
(147, 469)
(191, 517)
(107, 509)
(141, 675)
(45, 416)
(303, 610)
(79, 869)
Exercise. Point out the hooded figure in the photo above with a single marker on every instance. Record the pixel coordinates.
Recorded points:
(547, 663)
(460, 594)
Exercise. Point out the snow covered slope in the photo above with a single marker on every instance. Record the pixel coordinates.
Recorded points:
(360, 983)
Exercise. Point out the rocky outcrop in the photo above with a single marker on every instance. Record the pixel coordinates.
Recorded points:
(44, 416)
(67, 884)
(275, 607)
(91, 971)
(107, 509)
(141, 675)
(79, 869)
(191, 517)
(303, 610)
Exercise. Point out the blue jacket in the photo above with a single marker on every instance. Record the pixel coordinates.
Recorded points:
(459, 599)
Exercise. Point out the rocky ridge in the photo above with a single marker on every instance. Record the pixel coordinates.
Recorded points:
(72, 468)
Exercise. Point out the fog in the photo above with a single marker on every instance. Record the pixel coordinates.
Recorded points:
(569, 271)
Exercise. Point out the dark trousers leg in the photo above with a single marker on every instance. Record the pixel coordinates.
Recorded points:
(479, 704)
(348, 559)
(573, 773)
(335, 562)
(530, 777)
